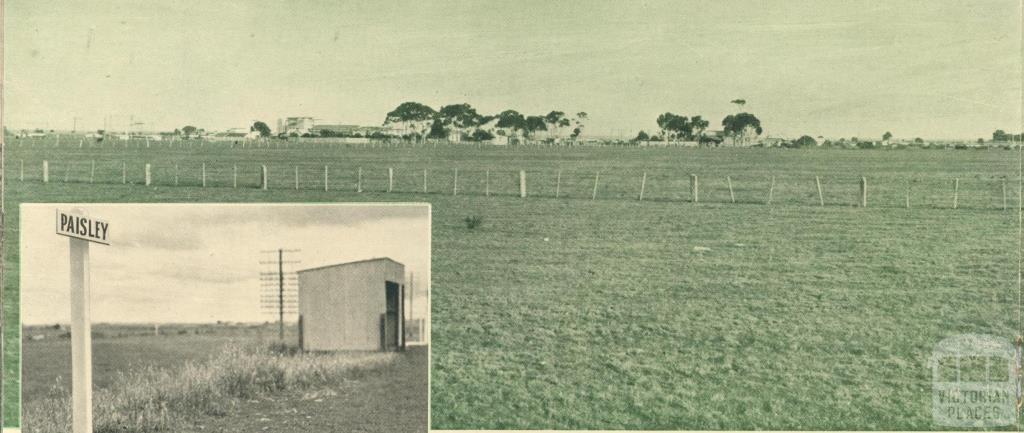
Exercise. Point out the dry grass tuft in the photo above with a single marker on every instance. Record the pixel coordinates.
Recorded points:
(157, 400)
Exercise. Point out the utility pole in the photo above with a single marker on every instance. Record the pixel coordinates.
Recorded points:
(280, 294)
(284, 298)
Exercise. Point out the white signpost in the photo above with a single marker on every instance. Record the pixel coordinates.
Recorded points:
(81, 230)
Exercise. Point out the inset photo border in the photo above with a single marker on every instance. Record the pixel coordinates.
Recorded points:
(225, 317)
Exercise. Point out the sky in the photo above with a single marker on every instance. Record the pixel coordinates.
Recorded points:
(191, 263)
(835, 68)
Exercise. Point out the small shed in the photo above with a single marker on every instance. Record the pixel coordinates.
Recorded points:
(353, 306)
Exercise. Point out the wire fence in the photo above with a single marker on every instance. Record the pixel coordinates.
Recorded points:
(968, 192)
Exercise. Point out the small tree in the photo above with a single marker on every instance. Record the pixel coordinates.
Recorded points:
(189, 130)
(263, 129)
(534, 124)
(642, 136)
(886, 136)
(918, 140)
(805, 141)
(742, 127)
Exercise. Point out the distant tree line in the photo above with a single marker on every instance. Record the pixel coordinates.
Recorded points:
(418, 120)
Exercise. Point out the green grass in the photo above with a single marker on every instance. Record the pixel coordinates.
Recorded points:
(573, 313)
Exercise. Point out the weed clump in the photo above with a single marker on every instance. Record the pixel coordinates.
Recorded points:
(473, 221)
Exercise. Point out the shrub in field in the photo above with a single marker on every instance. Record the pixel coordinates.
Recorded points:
(473, 221)
(160, 400)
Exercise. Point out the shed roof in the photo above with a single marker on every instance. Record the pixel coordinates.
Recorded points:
(375, 259)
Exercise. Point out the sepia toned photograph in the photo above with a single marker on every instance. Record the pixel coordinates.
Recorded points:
(643, 215)
(226, 318)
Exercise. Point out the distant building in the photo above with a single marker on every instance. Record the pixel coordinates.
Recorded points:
(297, 125)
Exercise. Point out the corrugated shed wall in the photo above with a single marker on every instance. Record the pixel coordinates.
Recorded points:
(341, 305)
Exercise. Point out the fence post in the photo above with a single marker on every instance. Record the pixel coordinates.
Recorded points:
(264, 177)
(175, 174)
(46, 171)
(907, 204)
(124, 172)
(234, 176)
(424, 181)
(821, 197)
(694, 188)
(732, 196)
(92, 170)
(597, 176)
(522, 183)
(359, 180)
(643, 185)
(487, 183)
(204, 175)
(863, 191)
(558, 183)
(296, 178)
(149, 177)
(956, 191)
(771, 190)
(455, 183)
(1004, 192)
(391, 178)
(325, 178)
(21, 177)
(67, 172)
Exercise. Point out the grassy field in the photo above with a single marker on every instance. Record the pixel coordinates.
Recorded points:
(617, 314)
(223, 379)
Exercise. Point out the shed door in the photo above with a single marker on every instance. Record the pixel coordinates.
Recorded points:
(391, 316)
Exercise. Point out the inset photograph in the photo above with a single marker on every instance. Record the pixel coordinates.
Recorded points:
(225, 317)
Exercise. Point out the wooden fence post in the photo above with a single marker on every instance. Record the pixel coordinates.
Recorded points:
(424, 181)
(149, 178)
(92, 170)
(732, 196)
(771, 190)
(296, 178)
(175, 174)
(22, 174)
(694, 188)
(124, 172)
(907, 203)
(1004, 192)
(643, 185)
(359, 180)
(234, 176)
(455, 183)
(597, 176)
(204, 175)
(264, 177)
(487, 183)
(326, 183)
(522, 183)
(863, 191)
(956, 191)
(558, 183)
(821, 197)
(391, 178)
